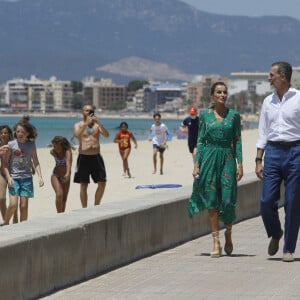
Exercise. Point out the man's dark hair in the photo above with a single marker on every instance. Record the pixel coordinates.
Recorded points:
(284, 68)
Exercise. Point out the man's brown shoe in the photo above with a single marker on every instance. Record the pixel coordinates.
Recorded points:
(274, 245)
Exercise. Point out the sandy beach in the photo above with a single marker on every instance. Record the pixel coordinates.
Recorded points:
(177, 170)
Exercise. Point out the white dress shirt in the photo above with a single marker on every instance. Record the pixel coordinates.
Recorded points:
(279, 120)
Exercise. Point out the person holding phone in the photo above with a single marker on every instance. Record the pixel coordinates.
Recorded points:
(90, 162)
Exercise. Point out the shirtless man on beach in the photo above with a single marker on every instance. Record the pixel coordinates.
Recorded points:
(90, 161)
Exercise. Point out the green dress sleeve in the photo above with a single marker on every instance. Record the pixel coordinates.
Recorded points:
(201, 137)
(237, 138)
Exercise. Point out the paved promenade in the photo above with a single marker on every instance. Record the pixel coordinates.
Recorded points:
(187, 272)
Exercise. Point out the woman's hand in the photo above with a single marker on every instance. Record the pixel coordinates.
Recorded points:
(10, 182)
(4, 149)
(239, 172)
(195, 171)
(67, 177)
(41, 182)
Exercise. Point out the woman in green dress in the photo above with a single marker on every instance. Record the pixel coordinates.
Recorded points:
(218, 166)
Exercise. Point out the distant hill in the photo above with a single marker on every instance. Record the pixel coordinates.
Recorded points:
(74, 38)
(140, 67)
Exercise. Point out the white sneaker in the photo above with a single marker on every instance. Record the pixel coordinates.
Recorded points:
(287, 257)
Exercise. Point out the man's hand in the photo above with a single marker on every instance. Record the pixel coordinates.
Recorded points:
(259, 170)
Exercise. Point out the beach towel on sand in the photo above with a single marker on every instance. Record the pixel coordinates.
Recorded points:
(158, 186)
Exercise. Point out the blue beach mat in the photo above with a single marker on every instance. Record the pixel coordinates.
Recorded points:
(158, 186)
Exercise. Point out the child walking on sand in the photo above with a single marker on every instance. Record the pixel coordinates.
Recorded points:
(159, 140)
(60, 178)
(123, 138)
(18, 169)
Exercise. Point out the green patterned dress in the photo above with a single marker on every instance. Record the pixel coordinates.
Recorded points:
(219, 149)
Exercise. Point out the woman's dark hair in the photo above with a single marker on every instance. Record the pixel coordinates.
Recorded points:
(212, 90)
(123, 123)
(32, 134)
(26, 118)
(10, 134)
(62, 141)
(213, 87)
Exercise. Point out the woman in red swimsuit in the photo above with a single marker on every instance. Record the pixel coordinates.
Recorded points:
(123, 138)
(60, 179)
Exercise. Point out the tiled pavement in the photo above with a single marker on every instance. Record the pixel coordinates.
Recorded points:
(188, 272)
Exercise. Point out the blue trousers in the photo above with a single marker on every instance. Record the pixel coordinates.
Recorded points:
(281, 164)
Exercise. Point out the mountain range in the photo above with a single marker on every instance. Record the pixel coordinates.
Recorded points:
(137, 39)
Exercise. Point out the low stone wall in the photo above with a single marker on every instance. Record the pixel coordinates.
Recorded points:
(42, 255)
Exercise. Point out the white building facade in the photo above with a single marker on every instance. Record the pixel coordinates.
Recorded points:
(39, 94)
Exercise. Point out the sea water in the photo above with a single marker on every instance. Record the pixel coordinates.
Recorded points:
(48, 127)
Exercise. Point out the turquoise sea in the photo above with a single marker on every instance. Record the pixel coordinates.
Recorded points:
(48, 127)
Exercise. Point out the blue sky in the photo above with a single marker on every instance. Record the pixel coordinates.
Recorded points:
(252, 8)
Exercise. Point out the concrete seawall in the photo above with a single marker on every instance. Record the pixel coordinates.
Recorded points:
(42, 255)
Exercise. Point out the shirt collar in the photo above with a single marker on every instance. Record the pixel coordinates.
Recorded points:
(289, 94)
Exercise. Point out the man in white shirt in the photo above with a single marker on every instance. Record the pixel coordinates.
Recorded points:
(279, 140)
(159, 140)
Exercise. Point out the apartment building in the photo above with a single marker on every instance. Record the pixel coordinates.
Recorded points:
(104, 93)
(157, 96)
(198, 93)
(39, 94)
(296, 77)
(252, 82)
(139, 100)
(2, 96)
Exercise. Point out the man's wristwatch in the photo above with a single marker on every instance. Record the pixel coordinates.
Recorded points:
(258, 159)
